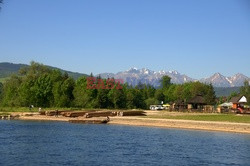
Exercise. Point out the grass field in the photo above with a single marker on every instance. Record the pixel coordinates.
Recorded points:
(7, 110)
(239, 118)
(2, 80)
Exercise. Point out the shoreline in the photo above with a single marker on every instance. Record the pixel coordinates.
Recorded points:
(243, 128)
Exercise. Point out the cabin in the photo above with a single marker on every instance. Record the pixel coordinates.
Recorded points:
(197, 102)
(238, 102)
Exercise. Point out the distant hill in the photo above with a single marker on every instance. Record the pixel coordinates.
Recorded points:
(6, 69)
(225, 91)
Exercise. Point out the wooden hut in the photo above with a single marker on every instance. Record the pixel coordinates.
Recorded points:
(238, 102)
(180, 105)
(196, 102)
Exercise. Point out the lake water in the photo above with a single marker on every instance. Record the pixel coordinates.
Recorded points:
(61, 143)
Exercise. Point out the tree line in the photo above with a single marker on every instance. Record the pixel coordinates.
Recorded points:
(43, 87)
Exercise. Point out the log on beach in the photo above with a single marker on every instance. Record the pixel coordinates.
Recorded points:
(42, 112)
(93, 113)
(132, 113)
(100, 114)
(74, 114)
(89, 121)
(53, 112)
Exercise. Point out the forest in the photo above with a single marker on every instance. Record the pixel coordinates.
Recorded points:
(41, 86)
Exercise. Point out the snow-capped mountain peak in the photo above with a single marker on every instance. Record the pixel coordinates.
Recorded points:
(219, 80)
(162, 72)
(173, 72)
(145, 71)
(132, 69)
(134, 75)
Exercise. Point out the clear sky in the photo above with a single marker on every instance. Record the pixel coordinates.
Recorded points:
(194, 37)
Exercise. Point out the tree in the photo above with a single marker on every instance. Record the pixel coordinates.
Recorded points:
(210, 96)
(159, 95)
(102, 98)
(138, 100)
(165, 82)
(118, 98)
(150, 90)
(43, 91)
(34, 71)
(26, 93)
(178, 92)
(169, 93)
(186, 93)
(1, 90)
(134, 98)
(63, 92)
(10, 91)
(81, 96)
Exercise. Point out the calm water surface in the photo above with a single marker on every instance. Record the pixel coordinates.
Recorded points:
(60, 143)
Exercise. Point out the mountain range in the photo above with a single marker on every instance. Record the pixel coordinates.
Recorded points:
(133, 76)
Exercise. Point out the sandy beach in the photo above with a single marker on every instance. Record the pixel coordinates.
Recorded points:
(152, 122)
(183, 124)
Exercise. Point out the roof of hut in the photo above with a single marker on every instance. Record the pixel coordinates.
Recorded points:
(179, 101)
(197, 100)
(238, 99)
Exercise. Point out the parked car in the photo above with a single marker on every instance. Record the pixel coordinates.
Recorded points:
(156, 107)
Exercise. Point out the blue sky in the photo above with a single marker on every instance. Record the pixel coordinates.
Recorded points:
(194, 37)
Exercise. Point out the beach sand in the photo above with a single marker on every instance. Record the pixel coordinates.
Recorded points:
(163, 123)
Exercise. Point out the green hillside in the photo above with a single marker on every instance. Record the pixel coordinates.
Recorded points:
(6, 69)
(225, 91)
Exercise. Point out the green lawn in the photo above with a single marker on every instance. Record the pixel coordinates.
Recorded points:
(7, 110)
(26, 109)
(206, 117)
(2, 80)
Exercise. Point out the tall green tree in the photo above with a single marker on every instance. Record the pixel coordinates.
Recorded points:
(63, 92)
(81, 97)
(102, 99)
(26, 92)
(165, 82)
(159, 95)
(118, 98)
(210, 96)
(10, 91)
(1, 89)
(34, 70)
(43, 91)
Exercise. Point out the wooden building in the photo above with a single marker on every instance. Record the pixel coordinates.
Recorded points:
(197, 102)
(179, 105)
(238, 102)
